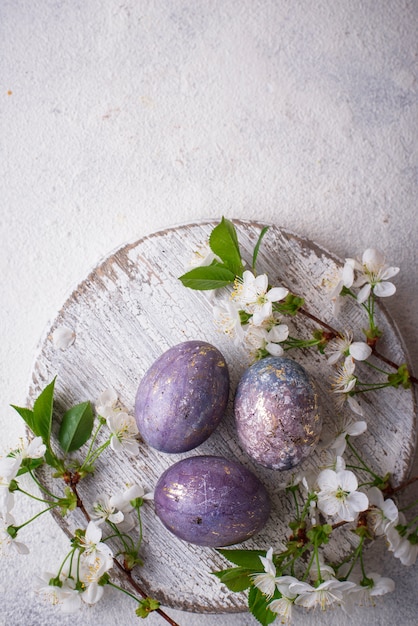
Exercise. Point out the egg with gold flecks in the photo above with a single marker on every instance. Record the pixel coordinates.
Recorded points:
(276, 413)
(182, 397)
(211, 501)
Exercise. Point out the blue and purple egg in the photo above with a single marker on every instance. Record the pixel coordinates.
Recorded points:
(276, 413)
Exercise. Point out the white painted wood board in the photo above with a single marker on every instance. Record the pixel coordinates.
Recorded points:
(130, 309)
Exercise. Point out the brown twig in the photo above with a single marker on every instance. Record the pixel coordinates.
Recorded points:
(390, 491)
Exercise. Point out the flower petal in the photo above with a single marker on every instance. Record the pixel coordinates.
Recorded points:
(360, 351)
(356, 428)
(63, 337)
(373, 259)
(354, 405)
(274, 349)
(348, 273)
(384, 289)
(347, 480)
(327, 480)
(278, 333)
(261, 283)
(276, 294)
(389, 272)
(364, 293)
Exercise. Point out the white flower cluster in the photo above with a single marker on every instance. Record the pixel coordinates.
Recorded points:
(343, 352)
(70, 588)
(9, 468)
(335, 494)
(253, 299)
(123, 428)
(117, 508)
(370, 275)
(84, 583)
(330, 592)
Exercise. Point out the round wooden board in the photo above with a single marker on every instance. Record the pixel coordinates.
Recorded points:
(130, 309)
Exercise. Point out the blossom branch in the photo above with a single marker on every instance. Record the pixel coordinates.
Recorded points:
(126, 572)
(335, 333)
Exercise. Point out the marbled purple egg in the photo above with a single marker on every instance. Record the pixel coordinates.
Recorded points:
(276, 413)
(211, 501)
(182, 397)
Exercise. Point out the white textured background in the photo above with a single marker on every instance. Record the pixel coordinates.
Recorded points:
(121, 118)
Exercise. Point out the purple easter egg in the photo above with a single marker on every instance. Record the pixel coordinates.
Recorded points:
(182, 397)
(211, 501)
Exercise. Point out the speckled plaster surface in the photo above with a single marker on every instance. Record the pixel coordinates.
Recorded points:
(121, 118)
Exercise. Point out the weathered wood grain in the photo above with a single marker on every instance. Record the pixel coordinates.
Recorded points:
(130, 309)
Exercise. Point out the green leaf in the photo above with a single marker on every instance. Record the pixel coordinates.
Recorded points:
(28, 465)
(319, 534)
(76, 427)
(235, 578)
(39, 420)
(208, 277)
(258, 605)
(402, 377)
(146, 606)
(26, 415)
(69, 503)
(290, 305)
(223, 242)
(42, 413)
(257, 246)
(54, 461)
(245, 558)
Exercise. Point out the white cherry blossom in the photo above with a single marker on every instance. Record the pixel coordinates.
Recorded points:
(345, 380)
(259, 338)
(122, 501)
(94, 548)
(106, 403)
(228, 320)
(9, 466)
(326, 594)
(203, 255)
(283, 606)
(124, 433)
(401, 547)
(64, 595)
(375, 276)
(338, 495)
(365, 595)
(7, 542)
(331, 460)
(103, 511)
(90, 573)
(266, 581)
(382, 513)
(255, 296)
(35, 449)
(351, 428)
(344, 346)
